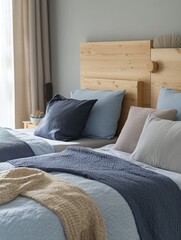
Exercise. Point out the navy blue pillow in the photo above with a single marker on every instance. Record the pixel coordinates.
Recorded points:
(65, 118)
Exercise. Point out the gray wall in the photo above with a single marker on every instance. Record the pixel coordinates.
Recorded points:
(75, 21)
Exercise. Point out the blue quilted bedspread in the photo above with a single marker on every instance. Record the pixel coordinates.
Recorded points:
(155, 200)
(12, 147)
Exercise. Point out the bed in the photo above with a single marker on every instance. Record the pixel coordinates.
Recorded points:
(100, 128)
(116, 212)
(152, 212)
(125, 66)
(24, 142)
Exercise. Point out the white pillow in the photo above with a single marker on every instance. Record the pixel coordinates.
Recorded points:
(132, 129)
(159, 144)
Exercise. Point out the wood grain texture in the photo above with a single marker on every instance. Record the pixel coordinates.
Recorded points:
(128, 60)
(168, 73)
(133, 95)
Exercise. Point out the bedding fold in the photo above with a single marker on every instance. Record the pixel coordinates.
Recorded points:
(153, 198)
(12, 147)
(76, 210)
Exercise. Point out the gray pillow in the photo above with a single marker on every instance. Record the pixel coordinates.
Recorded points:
(65, 119)
(103, 119)
(131, 131)
(160, 144)
(169, 98)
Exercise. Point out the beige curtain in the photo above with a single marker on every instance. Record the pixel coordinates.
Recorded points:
(31, 56)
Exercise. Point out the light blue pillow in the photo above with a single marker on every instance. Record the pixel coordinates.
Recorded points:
(170, 99)
(104, 116)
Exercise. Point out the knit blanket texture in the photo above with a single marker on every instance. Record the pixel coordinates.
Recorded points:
(77, 211)
(155, 200)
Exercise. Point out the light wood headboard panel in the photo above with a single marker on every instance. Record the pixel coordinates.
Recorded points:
(133, 95)
(128, 60)
(168, 73)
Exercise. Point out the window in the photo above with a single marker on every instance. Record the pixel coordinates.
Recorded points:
(6, 65)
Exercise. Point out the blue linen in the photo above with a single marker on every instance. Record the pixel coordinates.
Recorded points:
(154, 199)
(37, 144)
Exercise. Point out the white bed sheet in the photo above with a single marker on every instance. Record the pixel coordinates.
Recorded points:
(59, 146)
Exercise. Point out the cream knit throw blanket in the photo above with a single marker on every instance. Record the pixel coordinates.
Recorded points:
(78, 213)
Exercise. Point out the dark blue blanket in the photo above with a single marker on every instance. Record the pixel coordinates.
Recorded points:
(12, 147)
(155, 200)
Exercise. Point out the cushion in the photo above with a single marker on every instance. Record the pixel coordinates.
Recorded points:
(169, 98)
(159, 144)
(103, 119)
(131, 131)
(64, 119)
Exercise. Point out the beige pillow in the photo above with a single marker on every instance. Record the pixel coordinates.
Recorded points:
(131, 131)
(160, 144)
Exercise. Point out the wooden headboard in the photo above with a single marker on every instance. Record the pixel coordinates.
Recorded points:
(128, 60)
(168, 73)
(128, 65)
(118, 65)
